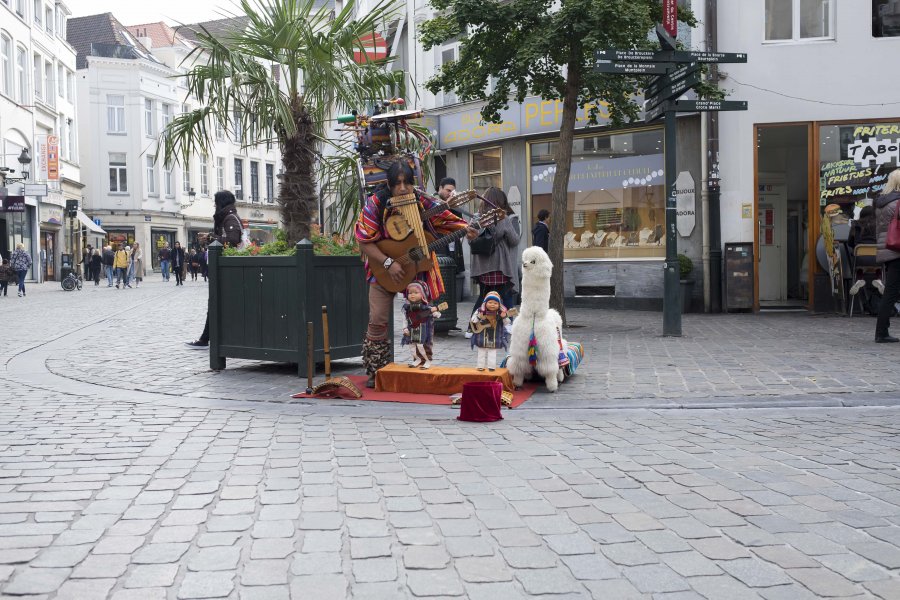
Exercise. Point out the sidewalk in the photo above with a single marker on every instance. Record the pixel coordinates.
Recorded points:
(768, 359)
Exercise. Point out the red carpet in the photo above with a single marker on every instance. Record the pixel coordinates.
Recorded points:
(519, 396)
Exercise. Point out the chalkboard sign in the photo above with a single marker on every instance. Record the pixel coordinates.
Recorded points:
(845, 181)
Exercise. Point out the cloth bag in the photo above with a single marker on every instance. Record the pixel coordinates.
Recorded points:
(481, 402)
(893, 232)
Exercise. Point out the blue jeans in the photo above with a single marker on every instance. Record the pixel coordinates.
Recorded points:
(121, 274)
(21, 275)
(109, 274)
(164, 267)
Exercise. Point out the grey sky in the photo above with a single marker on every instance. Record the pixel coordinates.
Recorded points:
(150, 11)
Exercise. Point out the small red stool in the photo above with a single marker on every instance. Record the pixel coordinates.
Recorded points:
(481, 402)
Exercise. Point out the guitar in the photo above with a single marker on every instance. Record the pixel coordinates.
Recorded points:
(483, 324)
(415, 259)
(398, 228)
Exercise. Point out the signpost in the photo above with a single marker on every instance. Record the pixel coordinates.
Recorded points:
(680, 72)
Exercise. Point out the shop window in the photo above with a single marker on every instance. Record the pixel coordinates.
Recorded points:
(486, 169)
(793, 20)
(854, 162)
(616, 196)
(886, 18)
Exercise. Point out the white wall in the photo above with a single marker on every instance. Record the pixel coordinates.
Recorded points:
(852, 69)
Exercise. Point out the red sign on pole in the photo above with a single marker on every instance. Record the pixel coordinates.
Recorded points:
(670, 17)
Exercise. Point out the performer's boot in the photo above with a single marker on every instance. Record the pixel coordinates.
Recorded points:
(375, 355)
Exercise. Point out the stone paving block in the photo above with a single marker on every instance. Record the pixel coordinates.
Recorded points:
(427, 557)
(460, 547)
(755, 573)
(629, 554)
(61, 556)
(380, 591)
(205, 585)
(141, 594)
(85, 588)
(151, 576)
(824, 582)
(373, 570)
(121, 544)
(271, 548)
(434, 583)
(556, 580)
(854, 568)
(267, 592)
(529, 557)
(881, 553)
(887, 590)
(322, 541)
(483, 569)
(591, 567)
(316, 563)
(217, 558)
(723, 586)
(264, 572)
(207, 540)
(516, 537)
(32, 580)
(177, 533)
(690, 564)
(785, 557)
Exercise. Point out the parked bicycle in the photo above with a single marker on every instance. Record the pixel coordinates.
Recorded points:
(72, 281)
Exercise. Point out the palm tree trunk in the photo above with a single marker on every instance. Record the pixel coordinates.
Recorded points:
(297, 194)
(560, 196)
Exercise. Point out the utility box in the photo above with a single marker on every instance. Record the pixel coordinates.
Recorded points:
(739, 276)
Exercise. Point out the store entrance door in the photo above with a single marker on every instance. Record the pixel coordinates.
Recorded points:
(48, 251)
(782, 215)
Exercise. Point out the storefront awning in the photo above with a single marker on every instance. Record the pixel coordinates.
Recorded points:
(86, 221)
(264, 226)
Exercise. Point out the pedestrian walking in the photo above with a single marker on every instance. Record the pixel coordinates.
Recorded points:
(109, 257)
(227, 230)
(120, 264)
(7, 274)
(540, 235)
(885, 212)
(164, 257)
(96, 266)
(137, 264)
(20, 261)
(193, 264)
(86, 262)
(178, 263)
(204, 262)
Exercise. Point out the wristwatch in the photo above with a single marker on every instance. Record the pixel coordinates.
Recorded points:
(388, 262)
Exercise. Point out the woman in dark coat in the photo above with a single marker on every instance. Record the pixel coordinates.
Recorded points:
(96, 265)
(178, 263)
(227, 232)
(885, 211)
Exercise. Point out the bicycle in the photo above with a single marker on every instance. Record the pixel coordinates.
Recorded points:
(71, 282)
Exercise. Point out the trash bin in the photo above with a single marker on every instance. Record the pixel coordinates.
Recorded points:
(449, 317)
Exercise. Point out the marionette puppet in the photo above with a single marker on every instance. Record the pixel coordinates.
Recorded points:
(419, 330)
(489, 330)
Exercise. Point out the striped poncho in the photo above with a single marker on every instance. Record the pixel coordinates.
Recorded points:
(370, 228)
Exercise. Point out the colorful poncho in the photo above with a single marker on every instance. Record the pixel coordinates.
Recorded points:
(494, 335)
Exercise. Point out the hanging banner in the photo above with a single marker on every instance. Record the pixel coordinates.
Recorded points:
(670, 17)
(53, 158)
(14, 204)
(40, 158)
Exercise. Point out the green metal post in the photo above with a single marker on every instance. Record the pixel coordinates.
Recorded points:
(672, 290)
(306, 293)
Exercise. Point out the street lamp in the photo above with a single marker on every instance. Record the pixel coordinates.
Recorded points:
(24, 161)
(191, 194)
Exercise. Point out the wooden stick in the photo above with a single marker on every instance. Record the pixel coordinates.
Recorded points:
(326, 344)
(310, 357)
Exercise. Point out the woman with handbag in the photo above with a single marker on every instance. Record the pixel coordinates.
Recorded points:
(495, 252)
(887, 224)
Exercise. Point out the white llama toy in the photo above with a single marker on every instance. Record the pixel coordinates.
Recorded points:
(538, 322)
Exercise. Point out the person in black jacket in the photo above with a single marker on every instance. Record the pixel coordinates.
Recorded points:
(540, 235)
(227, 231)
(96, 265)
(178, 263)
(108, 259)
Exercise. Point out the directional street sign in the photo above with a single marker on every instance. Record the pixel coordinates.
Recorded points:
(656, 112)
(673, 90)
(630, 68)
(658, 83)
(704, 105)
(677, 56)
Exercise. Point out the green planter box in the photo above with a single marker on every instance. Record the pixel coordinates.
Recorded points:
(259, 306)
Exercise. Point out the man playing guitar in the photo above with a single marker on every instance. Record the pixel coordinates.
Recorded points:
(370, 228)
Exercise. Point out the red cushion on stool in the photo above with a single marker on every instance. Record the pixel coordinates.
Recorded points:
(481, 402)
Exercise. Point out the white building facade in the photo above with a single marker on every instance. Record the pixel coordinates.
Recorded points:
(822, 128)
(38, 113)
(129, 90)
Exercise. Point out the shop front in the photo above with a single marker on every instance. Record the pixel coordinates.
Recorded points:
(159, 239)
(17, 227)
(51, 233)
(802, 169)
(614, 245)
(120, 236)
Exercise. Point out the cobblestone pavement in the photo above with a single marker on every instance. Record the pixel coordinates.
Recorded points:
(106, 493)
(134, 342)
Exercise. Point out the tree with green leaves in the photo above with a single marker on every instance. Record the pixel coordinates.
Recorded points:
(283, 77)
(544, 48)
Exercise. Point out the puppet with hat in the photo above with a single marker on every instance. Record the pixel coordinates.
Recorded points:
(489, 326)
(419, 330)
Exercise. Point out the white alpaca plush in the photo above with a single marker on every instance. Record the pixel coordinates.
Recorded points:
(535, 315)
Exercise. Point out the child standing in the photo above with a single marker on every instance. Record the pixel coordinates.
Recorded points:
(489, 325)
(7, 274)
(419, 330)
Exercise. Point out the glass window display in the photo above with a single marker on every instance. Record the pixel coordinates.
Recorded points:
(616, 200)
(486, 169)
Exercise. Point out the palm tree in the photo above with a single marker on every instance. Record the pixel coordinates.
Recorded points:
(283, 76)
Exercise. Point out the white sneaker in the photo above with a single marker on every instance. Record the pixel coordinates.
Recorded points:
(468, 335)
(879, 285)
(857, 286)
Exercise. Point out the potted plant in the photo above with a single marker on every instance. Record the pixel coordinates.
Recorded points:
(685, 268)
